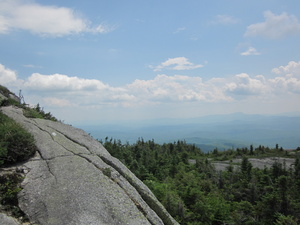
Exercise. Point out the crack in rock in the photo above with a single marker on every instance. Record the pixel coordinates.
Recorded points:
(74, 180)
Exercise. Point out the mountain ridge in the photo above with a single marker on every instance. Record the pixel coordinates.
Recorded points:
(239, 129)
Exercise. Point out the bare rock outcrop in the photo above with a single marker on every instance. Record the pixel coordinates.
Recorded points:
(256, 163)
(73, 180)
(7, 220)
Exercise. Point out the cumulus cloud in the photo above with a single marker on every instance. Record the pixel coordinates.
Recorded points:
(44, 20)
(243, 84)
(290, 81)
(164, 88)
(6, 75)
(274, 26)
(285, 84)
(292, 69)
(250, 51)
(64, 83)
(286, 81)
(179, 63)
(71, 91)
(63, 90)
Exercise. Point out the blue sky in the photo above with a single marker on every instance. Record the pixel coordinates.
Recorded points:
(104, 61)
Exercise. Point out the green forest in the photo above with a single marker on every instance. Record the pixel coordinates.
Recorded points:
(184, 179)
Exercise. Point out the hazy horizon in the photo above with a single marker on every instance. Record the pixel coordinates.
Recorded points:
(215, 131)
(180, 120)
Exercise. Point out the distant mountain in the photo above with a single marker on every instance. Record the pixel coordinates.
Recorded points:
(209, 132)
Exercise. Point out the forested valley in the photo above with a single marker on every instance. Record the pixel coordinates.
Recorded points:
(185, 180)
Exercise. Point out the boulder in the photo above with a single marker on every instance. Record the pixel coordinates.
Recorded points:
(73, 180)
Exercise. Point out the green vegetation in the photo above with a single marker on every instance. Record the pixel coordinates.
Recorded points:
(259, 152)
(185, 181)
(9, 101)
(30, 112)
(38, 112)
(107, 172)
(9, 189)
(16, 144)
(5, 91)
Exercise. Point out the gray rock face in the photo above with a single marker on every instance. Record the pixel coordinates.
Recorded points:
(73, 180)
(6, 220)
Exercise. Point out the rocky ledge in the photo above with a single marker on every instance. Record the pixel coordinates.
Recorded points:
(73, 180)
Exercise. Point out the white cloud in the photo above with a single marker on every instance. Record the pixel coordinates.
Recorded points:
(6, 75)
(44, 20)
(286, 84)
(290, 81)
(63, 83)
(292, 69)
(58, 90)
(4, 25)
(74, 91)
(250, 51)
(180, 88)
(179, 63)
(225, 19)
(243, 84)
(275, 26)
(287, 81)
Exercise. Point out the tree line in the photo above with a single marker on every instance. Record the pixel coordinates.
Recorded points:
(184, 179)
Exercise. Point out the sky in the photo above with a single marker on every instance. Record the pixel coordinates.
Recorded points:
(104, 61)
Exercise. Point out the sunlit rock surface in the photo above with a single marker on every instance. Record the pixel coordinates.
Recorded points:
(73, 180)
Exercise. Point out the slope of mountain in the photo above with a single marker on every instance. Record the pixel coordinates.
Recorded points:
(72, 179)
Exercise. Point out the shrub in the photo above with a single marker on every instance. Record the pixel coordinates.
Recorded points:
(107, 172)
(35, 112)
(9, 189)
(10, 101)
(32, 113)
(16, 144)
(5, 91)
(38, 112)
